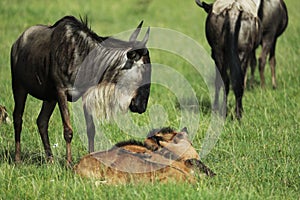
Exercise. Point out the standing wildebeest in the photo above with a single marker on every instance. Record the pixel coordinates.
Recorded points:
(63, 62)
(165, 155)
(233, 32)
(274, 18)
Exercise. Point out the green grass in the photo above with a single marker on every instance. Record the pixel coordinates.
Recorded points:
(257, 159)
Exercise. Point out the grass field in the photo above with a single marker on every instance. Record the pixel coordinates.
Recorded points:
(256, 159)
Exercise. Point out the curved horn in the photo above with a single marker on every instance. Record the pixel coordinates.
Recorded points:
(199, 3)
(205, 6)
(135, 34)
(146, 37)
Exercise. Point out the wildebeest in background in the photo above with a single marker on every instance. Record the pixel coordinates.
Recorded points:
(165, 155)
(233, 32)
(274, 18)
(63, 62)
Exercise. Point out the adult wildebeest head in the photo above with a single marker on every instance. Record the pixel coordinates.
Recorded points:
(165, 155)
(68, 60)
(233, 32)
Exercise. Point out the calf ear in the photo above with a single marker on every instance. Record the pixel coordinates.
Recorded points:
(184, 130)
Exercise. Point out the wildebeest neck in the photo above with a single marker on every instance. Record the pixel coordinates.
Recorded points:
(87, 57)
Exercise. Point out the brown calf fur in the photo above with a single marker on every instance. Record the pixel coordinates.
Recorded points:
(4, 115)
(164, 156)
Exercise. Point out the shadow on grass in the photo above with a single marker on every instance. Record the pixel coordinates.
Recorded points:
(204, 105)
(30, 158)
(250, 86)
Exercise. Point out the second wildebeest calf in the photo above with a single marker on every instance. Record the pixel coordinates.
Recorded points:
(233, 32)
(66, 61)
(165, 155)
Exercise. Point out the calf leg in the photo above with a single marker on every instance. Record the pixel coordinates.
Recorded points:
(42, 123)
(90, 128)
(65, 115)
(20, 96)
(272, 61)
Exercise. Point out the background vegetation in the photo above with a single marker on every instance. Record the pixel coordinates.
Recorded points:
(257, 159)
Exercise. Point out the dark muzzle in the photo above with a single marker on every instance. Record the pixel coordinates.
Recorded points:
(140, 101)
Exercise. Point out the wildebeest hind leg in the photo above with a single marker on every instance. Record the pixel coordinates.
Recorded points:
(272, 61)
(20, 96)
(253, 63)
(262, 62)
(65, 115)
(42, 123)
(90, 128)
(221, 80)
(238, 89)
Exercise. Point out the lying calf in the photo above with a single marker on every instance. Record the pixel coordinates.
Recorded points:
(165, 155)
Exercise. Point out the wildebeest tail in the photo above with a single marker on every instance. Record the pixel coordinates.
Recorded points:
(232, 25)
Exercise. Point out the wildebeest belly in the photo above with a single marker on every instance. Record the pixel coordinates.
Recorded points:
(36, 84)
(33, 64)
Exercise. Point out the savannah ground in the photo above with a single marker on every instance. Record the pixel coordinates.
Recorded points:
(256, 159)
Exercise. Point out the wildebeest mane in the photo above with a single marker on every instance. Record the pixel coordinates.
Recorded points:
(130, 142)
(161, 130)
(83, 25)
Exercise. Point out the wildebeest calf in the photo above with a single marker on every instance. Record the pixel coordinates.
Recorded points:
(165, 155)
(66, 61)
(233, 32)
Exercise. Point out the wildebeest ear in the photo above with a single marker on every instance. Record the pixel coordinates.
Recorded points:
(135, 34)
(184, 130)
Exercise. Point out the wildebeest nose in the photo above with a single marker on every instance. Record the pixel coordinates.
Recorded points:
(138, 106)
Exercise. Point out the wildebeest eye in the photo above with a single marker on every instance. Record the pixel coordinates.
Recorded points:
(128, 64)
(133, 55)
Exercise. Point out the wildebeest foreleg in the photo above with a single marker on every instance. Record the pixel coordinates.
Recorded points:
(20, 96)
(90, 128)
(42, 123)
(65, 115)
